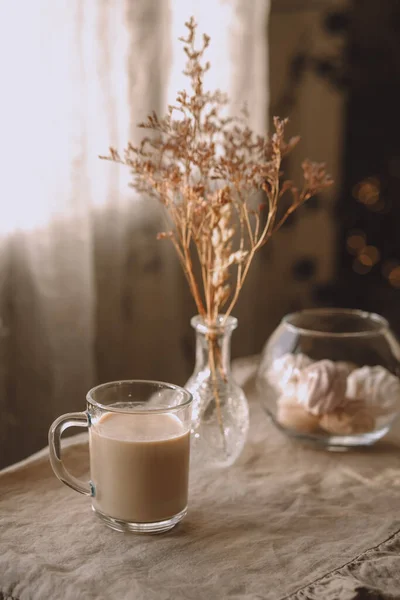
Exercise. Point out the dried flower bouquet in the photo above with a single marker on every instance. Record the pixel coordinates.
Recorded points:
(208, 170)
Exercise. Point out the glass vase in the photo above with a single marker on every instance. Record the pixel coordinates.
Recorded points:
(332, 377)
(220, 415)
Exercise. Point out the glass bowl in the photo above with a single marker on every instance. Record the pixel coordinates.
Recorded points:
(331, 376)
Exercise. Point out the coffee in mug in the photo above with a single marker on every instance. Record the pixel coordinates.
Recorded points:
(139, 445)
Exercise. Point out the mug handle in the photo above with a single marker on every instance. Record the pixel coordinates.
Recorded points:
(76, 419)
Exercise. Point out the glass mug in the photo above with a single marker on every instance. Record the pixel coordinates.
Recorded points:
(139, 447)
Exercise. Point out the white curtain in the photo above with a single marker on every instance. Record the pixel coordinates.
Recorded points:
(87, 294)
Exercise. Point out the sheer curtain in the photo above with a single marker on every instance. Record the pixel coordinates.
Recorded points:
(86, 292)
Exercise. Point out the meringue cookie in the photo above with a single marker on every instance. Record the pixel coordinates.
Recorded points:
(284, 371)
(322, 387)
(349, 367)
(353, 418)
(379, 388)
(287, 400)
(294, 417)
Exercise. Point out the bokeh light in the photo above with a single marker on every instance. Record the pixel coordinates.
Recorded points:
(366, 256)
(360, 268)
(388, 267)
(391, 271)
(369, 256)
(368, 192)
(394, 277)
(356, 240)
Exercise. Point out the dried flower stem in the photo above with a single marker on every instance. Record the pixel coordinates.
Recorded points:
(214, 359)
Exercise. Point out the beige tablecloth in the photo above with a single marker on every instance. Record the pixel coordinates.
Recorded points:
(287, 522)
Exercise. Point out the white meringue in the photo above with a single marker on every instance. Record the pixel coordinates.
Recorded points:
(294, 417)
(322, 387)
(379, 388)
(285, 400)
(284, 371)
(353, 418)
(349, 367)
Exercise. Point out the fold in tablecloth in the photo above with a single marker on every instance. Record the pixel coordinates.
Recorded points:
(286, 522)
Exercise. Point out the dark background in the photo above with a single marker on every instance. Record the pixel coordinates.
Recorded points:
(358, 61)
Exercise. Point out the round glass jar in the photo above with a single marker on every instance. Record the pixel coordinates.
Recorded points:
(331, 376)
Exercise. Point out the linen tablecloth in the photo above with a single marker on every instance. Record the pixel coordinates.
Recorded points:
(286, 522)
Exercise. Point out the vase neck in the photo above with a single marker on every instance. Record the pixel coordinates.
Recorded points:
(213, 344)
